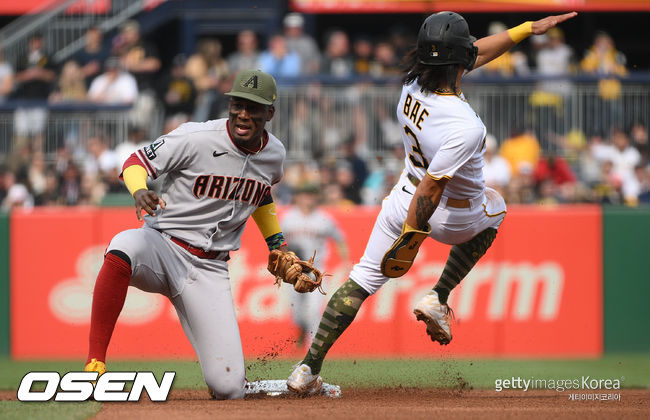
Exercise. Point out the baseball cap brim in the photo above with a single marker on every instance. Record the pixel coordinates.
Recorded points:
(250, 97)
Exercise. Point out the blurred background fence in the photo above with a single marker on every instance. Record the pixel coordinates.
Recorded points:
(316, 119)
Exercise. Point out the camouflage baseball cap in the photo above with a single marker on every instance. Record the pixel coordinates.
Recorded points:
(254, 85)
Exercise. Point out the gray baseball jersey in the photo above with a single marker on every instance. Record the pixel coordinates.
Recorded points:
(306, 234)
(309, 233)
(212, 187)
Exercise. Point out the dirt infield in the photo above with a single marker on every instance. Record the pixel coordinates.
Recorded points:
(387, 404)
(395, 403)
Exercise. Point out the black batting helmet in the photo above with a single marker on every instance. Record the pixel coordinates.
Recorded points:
(444, 39)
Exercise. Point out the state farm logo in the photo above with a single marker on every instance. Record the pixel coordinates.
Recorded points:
(527, 282)
(516, 291)
(71, 299)
(520, 291)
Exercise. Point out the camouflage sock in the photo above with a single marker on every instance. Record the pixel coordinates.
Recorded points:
(461, 259)
(338, 315)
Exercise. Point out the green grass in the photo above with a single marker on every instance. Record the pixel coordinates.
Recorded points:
(478, 373)
(50, 410)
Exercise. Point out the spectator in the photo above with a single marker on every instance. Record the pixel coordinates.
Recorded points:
(304, 45)
(333, 197)
(4, 181)
(347, 180)
(643, 175)
(36, 174)
(623, 155)
(278, 60)
(383, 176)
(496, 170)
(6, 78)
(522, 151)
(101, 160)
(337, 61)
(50, 195)
(135, 140)
(554, 178)
(553, 60)
(509, 63)
(247, 54)
(608, 64)
(208, 71)
(635, 186)
(176, 91)
(35, 72)
(303, 130)
(93, 55)
(34, 77)
(607, 188)
(385, 62)
(521, 188)
(70, 185)
(402, 39)
(362, 49)
(18, 194)
(624, 158)
(357, 165)
(70, 86)
(138, 56)
(114, 86)
(640, 140)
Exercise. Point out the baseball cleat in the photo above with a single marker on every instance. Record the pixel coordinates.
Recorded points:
(302, 382)
(436, 315)
(96, 366)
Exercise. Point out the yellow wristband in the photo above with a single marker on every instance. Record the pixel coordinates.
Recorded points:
(521, 32)
(267, 220)
(135, 178)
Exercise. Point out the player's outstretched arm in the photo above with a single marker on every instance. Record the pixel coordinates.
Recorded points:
(490, 47)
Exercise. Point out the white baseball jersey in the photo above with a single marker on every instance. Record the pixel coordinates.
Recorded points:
(443, 135)
(308, 233)
(212, 187)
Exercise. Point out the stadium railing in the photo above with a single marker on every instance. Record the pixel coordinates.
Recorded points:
(315, 117)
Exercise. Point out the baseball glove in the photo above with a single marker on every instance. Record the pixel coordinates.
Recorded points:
(288, 268)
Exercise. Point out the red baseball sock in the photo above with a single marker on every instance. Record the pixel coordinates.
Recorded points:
(108, 299)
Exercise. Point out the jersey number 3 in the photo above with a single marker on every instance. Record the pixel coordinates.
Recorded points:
(417, 157)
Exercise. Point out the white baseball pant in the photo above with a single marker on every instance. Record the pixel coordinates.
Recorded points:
(449, 225)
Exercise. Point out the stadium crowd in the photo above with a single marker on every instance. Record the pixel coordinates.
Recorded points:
(603, 164)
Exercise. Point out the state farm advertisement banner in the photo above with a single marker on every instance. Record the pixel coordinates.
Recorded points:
(537, 292)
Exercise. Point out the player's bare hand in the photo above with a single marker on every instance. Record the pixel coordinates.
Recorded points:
(147, 200)
(541, 26)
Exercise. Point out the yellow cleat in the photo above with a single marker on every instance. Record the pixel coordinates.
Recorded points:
(96, 366)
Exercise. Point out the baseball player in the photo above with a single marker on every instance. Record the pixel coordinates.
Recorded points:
(218, 174)
(440, 194)
(307, 228)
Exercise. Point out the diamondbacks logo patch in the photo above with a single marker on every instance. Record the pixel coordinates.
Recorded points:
(252, 82)
(150, 150)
